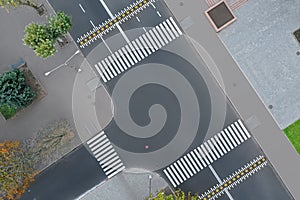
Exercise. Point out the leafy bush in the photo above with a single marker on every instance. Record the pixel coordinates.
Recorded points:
(13, 90)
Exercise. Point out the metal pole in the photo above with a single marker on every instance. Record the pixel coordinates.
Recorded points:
(64, 64)
(150, 179)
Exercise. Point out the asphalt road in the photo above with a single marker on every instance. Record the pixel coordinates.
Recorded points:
(162, 101)
(67, 179)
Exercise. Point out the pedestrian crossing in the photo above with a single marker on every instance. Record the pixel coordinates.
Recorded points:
(105, 154)
(207, 153)
(138, 49)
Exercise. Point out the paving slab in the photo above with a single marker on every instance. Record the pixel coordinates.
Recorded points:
(271, 64)
(242, 95)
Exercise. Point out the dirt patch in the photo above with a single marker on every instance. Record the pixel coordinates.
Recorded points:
(51, 143)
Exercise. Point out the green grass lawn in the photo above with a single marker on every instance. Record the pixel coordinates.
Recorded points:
(293, 133)
(7, 112)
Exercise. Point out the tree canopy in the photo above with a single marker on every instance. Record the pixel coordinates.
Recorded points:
(16, 170)
(14, 91)
(41, 38)
(8, 4)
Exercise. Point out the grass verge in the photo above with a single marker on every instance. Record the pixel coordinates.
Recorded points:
(7, 111)
(293, 133)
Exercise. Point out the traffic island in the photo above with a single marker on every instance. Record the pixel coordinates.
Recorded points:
(220, 15)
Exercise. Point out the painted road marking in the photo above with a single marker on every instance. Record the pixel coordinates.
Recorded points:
(82, 9)
(135, 51)
(105, 154)
(219, 180)
(234, 179)
(203, 155)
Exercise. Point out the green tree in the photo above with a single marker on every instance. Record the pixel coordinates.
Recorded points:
(59, 24)
(41, 38)
(16, 170)
(14, 91)
(8, 4)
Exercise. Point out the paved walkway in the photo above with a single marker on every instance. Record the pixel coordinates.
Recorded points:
(126, 186)
(58, 103)
(270, 63)
(263, 127)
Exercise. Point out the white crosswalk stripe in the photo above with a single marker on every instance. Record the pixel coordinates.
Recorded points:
(111, 68)
(123, 58)
(203, 155)
(171, 179)
(219, 144)
(175, 25)
(183, 169)
(161, 34)
(138, 49)
(237, 133)
(141, 47)
(155, 39)
(200, 158)
(212, 147)
(100, 72)
(190, 165)
(127, 56)
(217, 147)
(158, 36)
(114, 64)
(197, 161)
(145, 45)
(180, 171)
(105, 154)
(134, 51)
(223, 142)
(165, 32)
(169, 30)
(131, 53)
(186, 167)
(149, 45)
(226, 138)
(172, 28)
(233, 135)
(207, 153)
(240, 130)
(106, 69)
(244, 129)
(230, 137)
(153, 44)
(175, 172)
(117, 62)
(103, 71)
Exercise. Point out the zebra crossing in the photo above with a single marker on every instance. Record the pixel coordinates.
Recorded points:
(138, 49)
(207, 153)
(105, 154)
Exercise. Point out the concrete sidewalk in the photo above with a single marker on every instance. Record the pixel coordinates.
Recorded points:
(263, 127)
(271, 64)
(126, 186)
